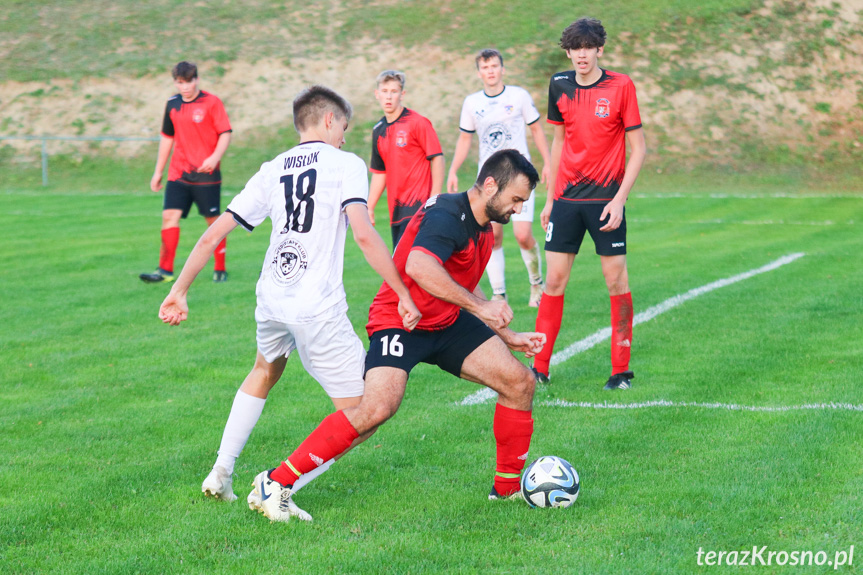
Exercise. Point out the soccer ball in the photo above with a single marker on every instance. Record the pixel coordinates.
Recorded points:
(550, 482)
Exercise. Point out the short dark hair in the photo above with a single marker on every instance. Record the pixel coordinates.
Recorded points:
(583, 33)
(504, 166)
(314, 102)
(187, 71)
(488, 54)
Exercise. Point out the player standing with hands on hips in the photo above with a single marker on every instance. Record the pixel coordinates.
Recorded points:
(595, 115)
(196, 127)
(310, 193)
(498, 114)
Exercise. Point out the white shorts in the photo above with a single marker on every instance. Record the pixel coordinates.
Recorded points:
(330, 351)
(526, 214)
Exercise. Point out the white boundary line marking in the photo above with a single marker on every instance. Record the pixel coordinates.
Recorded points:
(585, 344)
(727, 406)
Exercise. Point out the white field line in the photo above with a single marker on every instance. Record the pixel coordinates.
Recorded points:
(585, 344)
(789, 196)
(727, 406)
(744, 222)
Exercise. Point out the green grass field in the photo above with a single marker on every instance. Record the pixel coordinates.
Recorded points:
(110, 420)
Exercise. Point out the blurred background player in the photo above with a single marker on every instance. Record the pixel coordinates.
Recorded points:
(406, 156)
(196, 126)
(441, 259)
(310, 193)
(595, 115)
(499, 113)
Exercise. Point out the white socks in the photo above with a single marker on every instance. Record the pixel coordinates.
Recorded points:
(242, 420)
(533, 262)
(495, 271)
(307, 478)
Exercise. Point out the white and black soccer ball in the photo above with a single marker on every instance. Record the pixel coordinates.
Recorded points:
(550, 481)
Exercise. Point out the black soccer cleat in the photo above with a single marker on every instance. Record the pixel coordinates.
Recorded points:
(157, 277)
(620, 380)
(495, 496)
(539, 376)
(220, 276)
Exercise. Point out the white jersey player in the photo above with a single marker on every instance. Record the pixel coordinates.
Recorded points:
(499, 114)
(310, 193)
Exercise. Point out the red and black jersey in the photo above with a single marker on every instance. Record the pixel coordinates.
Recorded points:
(595, 119)
(403, 150)
(195, 127)
(446, 229)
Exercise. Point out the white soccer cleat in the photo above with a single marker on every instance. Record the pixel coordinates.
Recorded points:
(218, 485)
(273, 500)
(535, 295)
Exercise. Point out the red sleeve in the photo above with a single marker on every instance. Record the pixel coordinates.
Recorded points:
(220, 117)
(428, 140)
(631, 117)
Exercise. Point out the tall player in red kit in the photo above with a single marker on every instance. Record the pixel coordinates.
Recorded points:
(441, 258)
(407, 158)
(196, 127)
(595, 115)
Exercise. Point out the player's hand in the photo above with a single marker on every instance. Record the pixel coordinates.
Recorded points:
(452, 183)
(410, 313)
(495, 314)
(531, 343)
(174, 309)
(156, 182)
(613, 210)
(545, 215)
(208, 165)
(544, 175)
(372, 215)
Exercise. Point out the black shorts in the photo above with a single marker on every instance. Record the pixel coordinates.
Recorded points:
(179, 195)
(446, 348)
(568, 222)
(397, 231)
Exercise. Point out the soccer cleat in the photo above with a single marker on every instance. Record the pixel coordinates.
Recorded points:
(620, 380)
(218, 485)
(535, 295)
(157, 277)
(498, 297)
(539, 376)
(220, 276)
(495, 496)
(274, 500)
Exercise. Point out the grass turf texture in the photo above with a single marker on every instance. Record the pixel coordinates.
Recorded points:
(111, 420)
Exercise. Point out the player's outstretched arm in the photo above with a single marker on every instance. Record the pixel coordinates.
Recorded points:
(462, 148)
(378, 255)
(433, 278)
(174, 309)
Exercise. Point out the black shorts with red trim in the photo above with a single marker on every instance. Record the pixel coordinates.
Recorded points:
(570, 220)
(180, 195)
(446, 348)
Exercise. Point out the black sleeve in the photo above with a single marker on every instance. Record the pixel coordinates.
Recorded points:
(167, 124)
(441, 233)
(377, 162)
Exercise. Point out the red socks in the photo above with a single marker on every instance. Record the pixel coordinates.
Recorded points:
(621, 332)
(512, 431)
(332, 437)
(170, 240)
(548, 320)
(220, 256)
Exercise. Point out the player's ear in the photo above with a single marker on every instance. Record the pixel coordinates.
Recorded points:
(599, 51)
(489, 186)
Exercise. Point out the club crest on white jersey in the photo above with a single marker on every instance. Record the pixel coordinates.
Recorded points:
(290, 262)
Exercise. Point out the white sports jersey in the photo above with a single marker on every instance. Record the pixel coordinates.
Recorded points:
(304, 191)
(499, 120)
